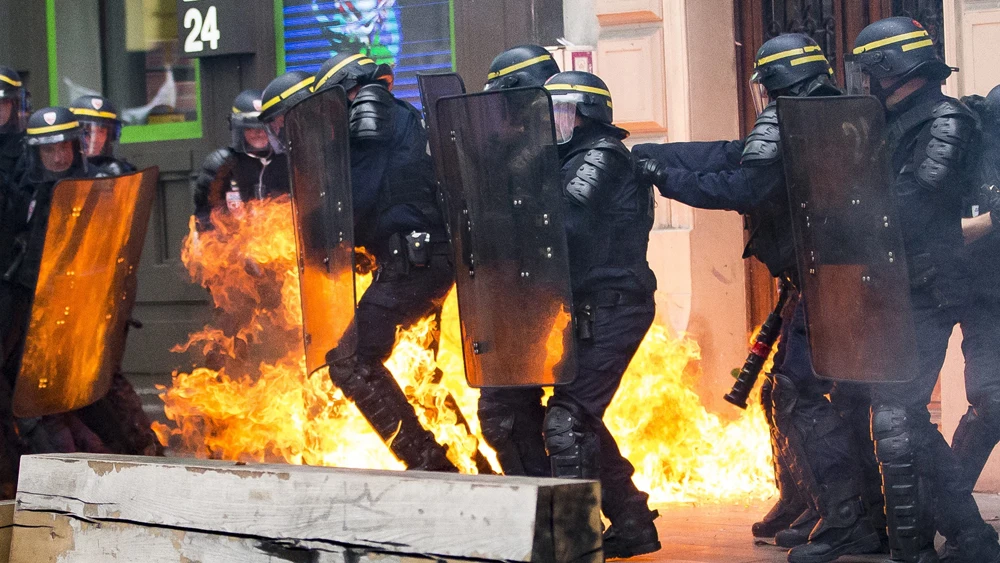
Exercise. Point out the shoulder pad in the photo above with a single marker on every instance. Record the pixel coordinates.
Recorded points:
(954, 131)
(763, 144)
(951, 106)
(218, 159)
(602, 166)
(371, 117)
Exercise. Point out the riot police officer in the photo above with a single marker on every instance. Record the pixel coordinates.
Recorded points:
(511, 419)
(13, 113)
(929, 138)
(54, 143)
(816, 454)
(397, 220)
(102, 130)
(251, 167)
(521, 66)
(608, 215)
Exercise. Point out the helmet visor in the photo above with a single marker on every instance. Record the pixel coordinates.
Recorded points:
(276, 134)
(759, 95)
(564, 113)
(856, 81)
(98, 138)
(14, 110)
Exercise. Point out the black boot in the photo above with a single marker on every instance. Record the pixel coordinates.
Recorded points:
(798, 533)
(791, 502)
(632, 534)
(843, 528)
(377, 395)
(972, 546)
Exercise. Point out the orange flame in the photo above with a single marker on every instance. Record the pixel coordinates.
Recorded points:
(272, 411)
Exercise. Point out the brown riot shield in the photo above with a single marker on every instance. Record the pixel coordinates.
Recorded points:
(502, 179)
(85, 291)
(849, 246)
(320, 176)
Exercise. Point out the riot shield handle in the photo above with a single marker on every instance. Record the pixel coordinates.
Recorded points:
(760, 351)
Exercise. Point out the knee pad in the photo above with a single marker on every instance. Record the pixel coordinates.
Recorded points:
(892, 434)
(572, 445)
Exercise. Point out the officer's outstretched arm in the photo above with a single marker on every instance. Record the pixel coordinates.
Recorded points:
(696, 156)
(208, 184)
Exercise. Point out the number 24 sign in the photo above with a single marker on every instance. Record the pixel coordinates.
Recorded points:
(213, 27)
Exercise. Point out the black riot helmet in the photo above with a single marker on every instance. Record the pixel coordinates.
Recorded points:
(352, 71)
(14, 102)
(526, 65)
(889, 53)
(47, 132)
(280, 95)
(101, 125)
(583, 94)
(249, 134)
(790, 64)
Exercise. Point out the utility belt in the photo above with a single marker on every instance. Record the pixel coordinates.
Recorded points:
(411, 250)
(586, 307)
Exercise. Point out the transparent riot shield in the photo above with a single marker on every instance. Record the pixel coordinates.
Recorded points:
(433, 87)
(852, 265)
(85, 291)
(320, 174)
(501, 176)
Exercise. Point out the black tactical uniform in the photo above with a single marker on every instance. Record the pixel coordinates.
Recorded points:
(102, 129)
(816, 456)
(14, 97)
(930, 136)
(397, 220)
(243, 171)
(979, 430)
(608, 216)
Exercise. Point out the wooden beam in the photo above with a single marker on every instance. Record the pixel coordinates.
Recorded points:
(416, 514)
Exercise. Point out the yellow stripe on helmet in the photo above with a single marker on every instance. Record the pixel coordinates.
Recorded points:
(94, 113)
(809, 59)
(788, 53)
(11, 81)
(918, 45)
(891, 40)
(287, 93)
(577, 88)
(518, 66)
(53, 128)
(361, 58)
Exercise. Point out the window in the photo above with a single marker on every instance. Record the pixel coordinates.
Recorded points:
(127, 51)
(411, 35)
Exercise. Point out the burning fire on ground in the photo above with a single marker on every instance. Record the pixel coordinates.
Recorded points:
(250, 398)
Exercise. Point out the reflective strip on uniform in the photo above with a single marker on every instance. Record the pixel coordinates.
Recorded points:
(11, 81)
(361, 58)
(94, 113)
(577, 88)
(53, 128)
(810, 59)
(288, 92)
(918, 45)
(788, 53)
(518, 66)
(891, 40)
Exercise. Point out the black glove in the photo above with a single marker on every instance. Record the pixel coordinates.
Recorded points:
(989, 196)
(651, 171)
